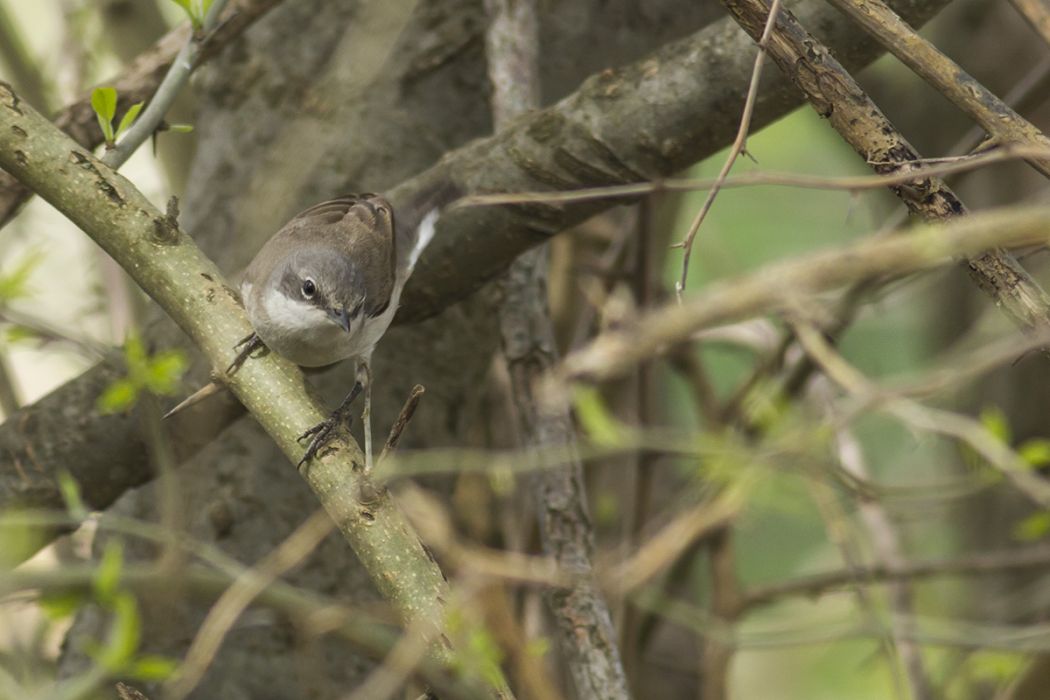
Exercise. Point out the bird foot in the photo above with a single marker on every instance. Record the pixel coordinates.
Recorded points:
(248, 344)
(321, 433)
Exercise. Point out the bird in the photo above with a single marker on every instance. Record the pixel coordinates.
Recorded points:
(326, 286)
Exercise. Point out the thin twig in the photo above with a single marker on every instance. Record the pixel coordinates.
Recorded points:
(240, 595)
(1037, 14)
(968, 565)
(739, 144)
(918, 169)
(407, 411)
(169, 88)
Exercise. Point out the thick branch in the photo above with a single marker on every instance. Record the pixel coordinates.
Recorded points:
(166, 263)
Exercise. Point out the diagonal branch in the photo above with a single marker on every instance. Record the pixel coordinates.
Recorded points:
(166, 263)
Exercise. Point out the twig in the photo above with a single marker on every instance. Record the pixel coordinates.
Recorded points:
(407, 411)
(739, 144)
(1037, 14)
(918, 169)
(969, 565)
(239, 596)
(969, 95)
(764, 291)
(170, 87)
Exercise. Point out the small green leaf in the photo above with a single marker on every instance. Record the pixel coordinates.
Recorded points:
(118, 396)
(104, 102)
(1034, 527)
(124, 634)
(1035, 452)
(15, 284)
(70, 490)
(190, 8)
(18, 334)
(994, 420)
(538, 647)
(150, 667)
(129, 118)
(107, 578)
(600, 425)
(60, 606)
(163, 372)
(180, 128)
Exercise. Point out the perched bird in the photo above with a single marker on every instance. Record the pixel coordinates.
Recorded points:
(325, 288)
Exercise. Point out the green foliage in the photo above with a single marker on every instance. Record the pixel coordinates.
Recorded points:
(107, 578)
(158, 374)
(1033, 527)
(15, 284)
(104, 102)
(994, 421)
(477, 653)
(60, 606)
(180, 128)
(70, 490)
(1035, 452)
(601, 427)
(195, 10)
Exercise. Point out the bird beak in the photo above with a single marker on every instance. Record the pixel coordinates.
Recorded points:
(342, 317)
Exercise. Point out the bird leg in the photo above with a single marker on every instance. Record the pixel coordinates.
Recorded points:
(364, 375)
(322, 432)
(248, 344)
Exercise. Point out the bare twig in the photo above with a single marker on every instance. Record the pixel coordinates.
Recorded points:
(969, 565)
(407, 411)
(738, 147)
(918, 169)
(240, 595)
(1037, 14)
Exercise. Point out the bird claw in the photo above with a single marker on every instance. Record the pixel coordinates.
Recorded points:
(321, 434)
(248, 344)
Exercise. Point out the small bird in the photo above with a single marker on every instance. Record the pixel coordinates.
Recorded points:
(326, 286)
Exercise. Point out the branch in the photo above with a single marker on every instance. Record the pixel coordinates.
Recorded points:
(969, 95)
(137, 84)
(785, 285)
(972, 565)
(166, 263)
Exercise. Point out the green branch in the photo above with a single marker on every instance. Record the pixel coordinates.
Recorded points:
(166, 263)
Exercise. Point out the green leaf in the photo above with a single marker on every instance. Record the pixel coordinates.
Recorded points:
(104, 102)
(994, 420)
(118, 396)
(59, 606)
(538, 647)
(15, 284)
(124, 634)
(600, 425)
(129, 118)
(18, 334)
(107, 578)
(1034, 527)
(70, 490)
(164, 371)
(150, 667)
(1035, 452)
(180, 128)
(190, 8)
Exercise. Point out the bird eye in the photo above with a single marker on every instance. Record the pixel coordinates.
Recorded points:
(309, 288)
